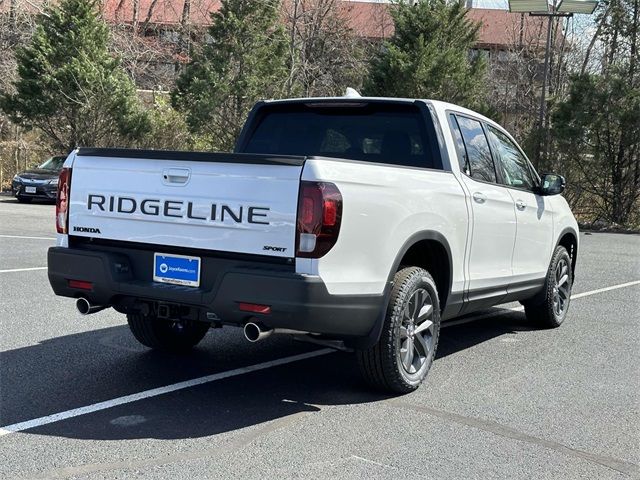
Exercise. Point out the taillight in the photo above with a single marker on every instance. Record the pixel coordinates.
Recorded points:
(319, 215)
(62, 201)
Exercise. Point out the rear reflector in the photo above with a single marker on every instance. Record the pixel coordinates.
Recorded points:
(319, 216)
(62, 201)
(255, 308)
(80, 284)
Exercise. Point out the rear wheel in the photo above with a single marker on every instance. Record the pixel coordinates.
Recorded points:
(401, 359)
(167, 335)
(550, 308)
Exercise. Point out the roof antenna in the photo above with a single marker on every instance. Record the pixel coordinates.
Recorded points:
(351, 93)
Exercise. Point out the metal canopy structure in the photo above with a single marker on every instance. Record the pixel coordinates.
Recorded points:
(527, 6)
(577, 6)
(562, 8)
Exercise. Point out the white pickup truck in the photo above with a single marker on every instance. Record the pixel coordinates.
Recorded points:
(355, 222)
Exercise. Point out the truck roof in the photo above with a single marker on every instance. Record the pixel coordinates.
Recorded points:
(438, 104)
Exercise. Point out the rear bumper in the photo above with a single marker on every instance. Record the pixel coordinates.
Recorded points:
(297, 302)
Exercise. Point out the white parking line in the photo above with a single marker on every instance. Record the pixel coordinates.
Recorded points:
(22, 269)
(606, 289)
(27, 238)
(154, 392)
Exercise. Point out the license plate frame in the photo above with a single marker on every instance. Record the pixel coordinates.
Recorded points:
(176, 269)
(30, 189)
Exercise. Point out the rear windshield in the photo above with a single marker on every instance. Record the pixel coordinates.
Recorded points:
(383, 133)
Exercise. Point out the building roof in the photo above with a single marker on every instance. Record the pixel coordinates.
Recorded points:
(369, 19)
(160, 12)
(500, 28)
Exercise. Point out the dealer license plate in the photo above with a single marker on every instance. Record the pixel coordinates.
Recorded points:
(176, 269)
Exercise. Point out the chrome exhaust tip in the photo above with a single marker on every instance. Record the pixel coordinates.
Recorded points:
(253, 332)
(85, 307)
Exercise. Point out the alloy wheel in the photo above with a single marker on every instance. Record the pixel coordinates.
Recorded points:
(561, 289)
(416, 333)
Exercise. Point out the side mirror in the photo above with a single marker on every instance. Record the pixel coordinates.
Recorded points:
(552, 184)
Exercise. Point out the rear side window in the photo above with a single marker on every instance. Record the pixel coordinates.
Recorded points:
(479, 163)
(382, 133)
(463, 158)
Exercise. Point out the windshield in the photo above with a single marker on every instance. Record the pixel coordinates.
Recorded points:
(381, 133)
(54, 163)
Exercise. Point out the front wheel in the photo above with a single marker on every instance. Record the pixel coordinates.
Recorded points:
(550, 309)
(401, 359)
(167, 335)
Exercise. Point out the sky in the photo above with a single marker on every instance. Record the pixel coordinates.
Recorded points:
(501, 4)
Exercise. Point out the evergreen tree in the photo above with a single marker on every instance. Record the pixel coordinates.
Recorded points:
(597, 127)
(244, 61)
(69, 86)
(429, 55)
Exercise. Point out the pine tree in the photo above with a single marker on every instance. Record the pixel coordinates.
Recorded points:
(69, 86)
(429, 55)
(244, 61)
(597, 127)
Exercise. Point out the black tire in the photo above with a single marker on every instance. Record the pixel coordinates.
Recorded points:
(383, 366)
(24, 199)
(550, 307)
(166, 335)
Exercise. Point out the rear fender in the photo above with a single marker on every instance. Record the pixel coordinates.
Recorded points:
(374, 335)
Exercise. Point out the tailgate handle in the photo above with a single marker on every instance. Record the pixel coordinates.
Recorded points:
(176, 176)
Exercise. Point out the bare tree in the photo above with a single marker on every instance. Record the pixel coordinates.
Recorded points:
(148, 59)
(19, 149)
(515, 79)
(17, 22)
(325, 55)
(515, 75)
(152, 53)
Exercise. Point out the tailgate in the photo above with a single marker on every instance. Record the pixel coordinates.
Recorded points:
(222, 202)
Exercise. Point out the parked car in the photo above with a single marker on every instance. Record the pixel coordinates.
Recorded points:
(358, 223)
(40, 182)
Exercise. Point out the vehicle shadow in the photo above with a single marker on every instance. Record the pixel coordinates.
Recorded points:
(82, 369)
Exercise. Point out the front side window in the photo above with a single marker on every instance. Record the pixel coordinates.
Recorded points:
(513, 164)
(479, 163)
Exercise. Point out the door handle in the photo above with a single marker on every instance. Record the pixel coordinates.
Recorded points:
(176, 176)
(479, 197)
(520, 205)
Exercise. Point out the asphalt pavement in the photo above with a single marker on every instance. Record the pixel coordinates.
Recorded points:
(503, 400)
